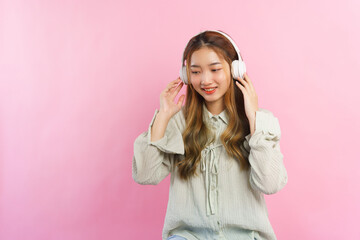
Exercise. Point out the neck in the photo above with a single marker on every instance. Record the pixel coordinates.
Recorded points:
(215, 107)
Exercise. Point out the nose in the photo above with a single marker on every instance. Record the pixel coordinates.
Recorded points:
(206, 78)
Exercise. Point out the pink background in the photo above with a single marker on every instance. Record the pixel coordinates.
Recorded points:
(80, 80)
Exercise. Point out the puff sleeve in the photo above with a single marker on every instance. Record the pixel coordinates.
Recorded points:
(267, 173)
(153, 161)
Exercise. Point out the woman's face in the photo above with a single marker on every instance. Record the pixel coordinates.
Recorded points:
(210, 77)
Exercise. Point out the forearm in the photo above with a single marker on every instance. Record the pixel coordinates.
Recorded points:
(268, 173)
(149, 165)
(159, 126)
(252, 125)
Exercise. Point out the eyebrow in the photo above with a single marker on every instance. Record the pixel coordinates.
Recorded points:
(214, 63)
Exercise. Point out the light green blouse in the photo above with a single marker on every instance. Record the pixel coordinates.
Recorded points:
(223, 201)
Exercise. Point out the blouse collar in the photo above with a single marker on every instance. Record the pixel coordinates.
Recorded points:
(223, 115)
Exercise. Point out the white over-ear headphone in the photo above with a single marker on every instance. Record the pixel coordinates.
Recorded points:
(238, 66)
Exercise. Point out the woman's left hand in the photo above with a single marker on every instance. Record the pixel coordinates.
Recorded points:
(250, 97)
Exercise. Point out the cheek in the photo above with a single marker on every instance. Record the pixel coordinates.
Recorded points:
(226, 80)
(196, 86)
(195, 82)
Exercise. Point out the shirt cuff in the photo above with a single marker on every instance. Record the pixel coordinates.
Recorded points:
(266, 123)
(172, 142)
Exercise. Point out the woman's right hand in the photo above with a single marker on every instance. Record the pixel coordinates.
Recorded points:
(167, 105)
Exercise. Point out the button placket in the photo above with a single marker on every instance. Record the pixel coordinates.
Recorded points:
(209, 165)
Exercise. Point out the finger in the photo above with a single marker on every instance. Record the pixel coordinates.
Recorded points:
(174, 82)
(170, 88)
(181, 101)
(246, 77)
(175, 91)
(243, 82)
(242, 88)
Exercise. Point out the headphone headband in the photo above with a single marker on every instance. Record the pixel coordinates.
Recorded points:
(224, 34)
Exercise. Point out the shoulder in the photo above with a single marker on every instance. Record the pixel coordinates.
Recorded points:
(263, 110)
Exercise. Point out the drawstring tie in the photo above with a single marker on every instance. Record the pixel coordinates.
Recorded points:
(210, 166)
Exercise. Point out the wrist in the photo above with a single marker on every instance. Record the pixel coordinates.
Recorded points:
(252, 125)
(164, 115)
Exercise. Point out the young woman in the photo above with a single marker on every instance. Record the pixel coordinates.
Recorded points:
(221, 149)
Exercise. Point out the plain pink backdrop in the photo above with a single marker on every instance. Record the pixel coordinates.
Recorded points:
(80, 80)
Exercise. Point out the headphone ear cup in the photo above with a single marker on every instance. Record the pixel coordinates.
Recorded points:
(242, 69)
(238, 69)
(235, 69)
(183, 75)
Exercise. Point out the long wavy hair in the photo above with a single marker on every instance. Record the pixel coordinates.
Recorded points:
(197, 135)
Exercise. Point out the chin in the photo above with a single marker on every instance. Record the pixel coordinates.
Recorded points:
(210, 100)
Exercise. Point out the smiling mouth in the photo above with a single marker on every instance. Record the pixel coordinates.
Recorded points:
(209, 90)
